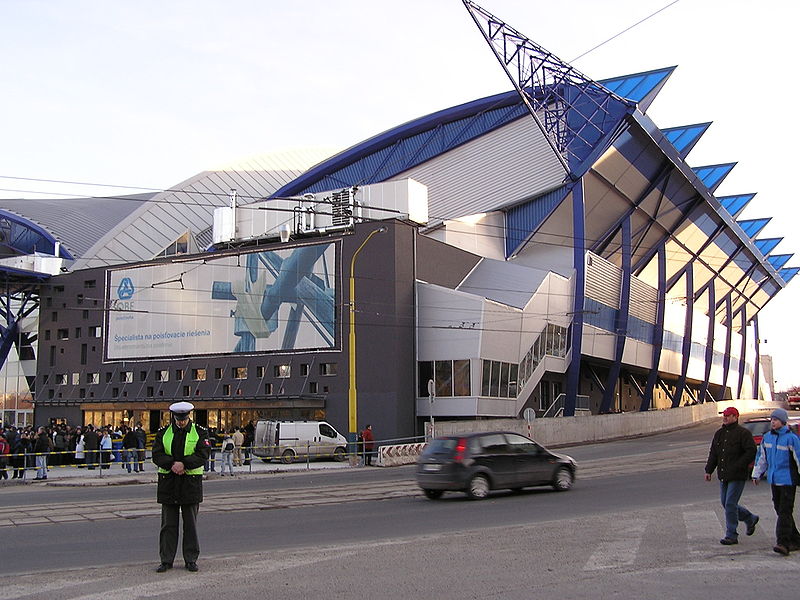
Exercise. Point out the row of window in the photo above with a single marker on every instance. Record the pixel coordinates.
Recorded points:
(282, 371)
(270, 389)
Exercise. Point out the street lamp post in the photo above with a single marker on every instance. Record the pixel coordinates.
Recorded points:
(353, 392)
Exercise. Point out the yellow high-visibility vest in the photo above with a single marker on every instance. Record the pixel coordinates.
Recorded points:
(188, 447)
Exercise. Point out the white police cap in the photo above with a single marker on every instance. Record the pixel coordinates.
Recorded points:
(181, 408)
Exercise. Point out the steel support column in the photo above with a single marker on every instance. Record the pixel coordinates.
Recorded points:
(709, 342)
(621, 322)
(686, 349)
(743, 352)
(579, 263)
(726, 358)
(757, 360)
(658, 329)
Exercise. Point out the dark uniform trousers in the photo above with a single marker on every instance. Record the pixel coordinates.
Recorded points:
(168, 537)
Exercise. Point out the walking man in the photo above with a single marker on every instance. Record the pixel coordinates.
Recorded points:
(779, 456)
(731, 453)
(179, 451)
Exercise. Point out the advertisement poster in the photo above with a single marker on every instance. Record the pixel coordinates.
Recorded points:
(256, 302)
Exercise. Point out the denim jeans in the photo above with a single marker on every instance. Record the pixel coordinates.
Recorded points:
(41, 467)
(130, 457)
(729, 493)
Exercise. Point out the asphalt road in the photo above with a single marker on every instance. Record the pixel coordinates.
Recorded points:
(640, 523)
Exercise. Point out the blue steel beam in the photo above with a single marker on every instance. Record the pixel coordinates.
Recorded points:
(757, 360)
(621, 322)
(709, 342)
(579, 264)
(726, 358)
(742, 362)
(658, 330)
(686, 349)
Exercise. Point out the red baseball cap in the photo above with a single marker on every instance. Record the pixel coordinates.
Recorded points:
(730, 411)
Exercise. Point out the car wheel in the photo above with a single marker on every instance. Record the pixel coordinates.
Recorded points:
(433, 494)
(563, 479)
(339, 454)
(478, 487)
(287, 457)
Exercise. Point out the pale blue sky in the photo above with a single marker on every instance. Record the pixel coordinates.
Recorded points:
(149, 93)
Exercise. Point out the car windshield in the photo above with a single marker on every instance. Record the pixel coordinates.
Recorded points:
(440, 446)
(758, 427)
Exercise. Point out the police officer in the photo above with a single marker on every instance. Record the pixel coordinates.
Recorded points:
(179, 451)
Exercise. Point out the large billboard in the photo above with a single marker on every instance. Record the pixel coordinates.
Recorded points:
(280, 300)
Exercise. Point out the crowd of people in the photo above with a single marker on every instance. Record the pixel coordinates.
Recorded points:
(42, 448)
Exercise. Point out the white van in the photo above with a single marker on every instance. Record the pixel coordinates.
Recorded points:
(289, 440)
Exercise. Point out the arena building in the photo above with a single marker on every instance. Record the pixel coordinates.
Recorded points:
(547, 248)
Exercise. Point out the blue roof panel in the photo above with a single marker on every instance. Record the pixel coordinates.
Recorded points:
(767, 245)
(684, 138)
(753, 226)
(779, 260)
(712, 175)
(639, 87)
(735, 204)
(787, 273)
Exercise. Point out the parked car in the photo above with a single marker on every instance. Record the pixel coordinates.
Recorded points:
(758, 426)
(479, 462)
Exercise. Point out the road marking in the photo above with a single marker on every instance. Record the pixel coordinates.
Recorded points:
(702, 528)
(620, 551)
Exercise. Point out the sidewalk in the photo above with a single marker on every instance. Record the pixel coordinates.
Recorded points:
(117, 474)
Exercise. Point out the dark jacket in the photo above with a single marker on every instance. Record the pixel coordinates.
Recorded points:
(90, 440)
(42, 445)
(130, 441)
(732, 453)
(180, 489)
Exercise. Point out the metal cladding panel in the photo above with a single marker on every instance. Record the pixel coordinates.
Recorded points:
(490, 172)
(639, 87)
(644, 302)
(603, 281)
(503, 282)
(523, 219)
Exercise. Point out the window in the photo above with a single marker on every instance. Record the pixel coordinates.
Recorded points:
(77, 332)
(109, 377)
(115, 392)
(85, 314)
(76, 379)
(178, 374)
(126, 376)
(187, 390)
(218, 373)
(93, 378)
(47, 335)
(328, 369)
(162, 375)
(451, 377)
(521, 445)
(95, 331)
(239, 372)
(303, 369)
(327, 430)
(283, 370)
(443, 378)
(84, 354)
(312, 387)
(90, 284)
(142, 375)
(226, 389)
(260, 371)
(199, 374)
(63, 334)
(150, 391)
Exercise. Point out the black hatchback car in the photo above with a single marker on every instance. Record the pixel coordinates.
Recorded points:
(479, 462)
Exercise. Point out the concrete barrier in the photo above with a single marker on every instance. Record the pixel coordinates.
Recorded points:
(568, 431)
(564, 431)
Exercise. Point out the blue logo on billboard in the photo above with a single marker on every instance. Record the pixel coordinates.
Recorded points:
(125, 289)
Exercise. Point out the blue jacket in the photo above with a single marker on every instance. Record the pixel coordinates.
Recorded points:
(779, 456)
